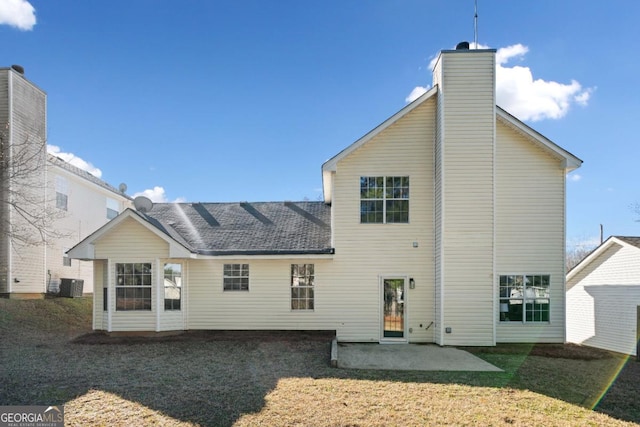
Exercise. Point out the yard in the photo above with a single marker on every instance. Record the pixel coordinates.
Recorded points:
(214, 379)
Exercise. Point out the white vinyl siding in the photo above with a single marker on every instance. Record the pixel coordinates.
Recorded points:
(364, 252)
(602, 301)
(530, 186)
(132, 243)
(467, 132)
(26, 117)
(268, 304)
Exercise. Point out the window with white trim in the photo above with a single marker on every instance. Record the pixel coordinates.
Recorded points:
(62, 193)
(133, 286)
(302, 286)
(384, 200)
(235, 277)
(172, 286)
(66, 261)
(112, 208)
(524, 298)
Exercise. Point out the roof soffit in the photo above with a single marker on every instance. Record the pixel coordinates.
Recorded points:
(331, 164)
(569, 161)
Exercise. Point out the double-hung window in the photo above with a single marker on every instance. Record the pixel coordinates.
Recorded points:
(133, 286)
(62, 193)
(112, 208)
(524, 298)
(302, 286)
(236, 277)
(384, 199)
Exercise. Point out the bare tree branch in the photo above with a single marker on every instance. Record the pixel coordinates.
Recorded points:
(28, 207)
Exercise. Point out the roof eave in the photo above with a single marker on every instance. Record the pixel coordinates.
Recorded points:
(595, 254)
(569, 161)
(85, 249)
(330, 166)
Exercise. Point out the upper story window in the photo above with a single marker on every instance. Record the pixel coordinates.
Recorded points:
(62, 193)
(384, 199)
(236, 277)
(524, 298)
(66, 261)
(112, 208)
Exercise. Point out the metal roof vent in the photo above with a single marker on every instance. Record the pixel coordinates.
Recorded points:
(462, 46)
(18, 68)
(142, 204)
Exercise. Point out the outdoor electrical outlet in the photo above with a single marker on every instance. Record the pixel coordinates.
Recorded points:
(447, 330)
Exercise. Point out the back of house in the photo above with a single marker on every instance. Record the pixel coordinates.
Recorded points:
(443, 224)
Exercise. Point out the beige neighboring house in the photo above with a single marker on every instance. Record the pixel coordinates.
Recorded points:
(75, 201)
(445, 224)
(603, 297)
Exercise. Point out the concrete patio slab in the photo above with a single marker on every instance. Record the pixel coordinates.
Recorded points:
(407, 357)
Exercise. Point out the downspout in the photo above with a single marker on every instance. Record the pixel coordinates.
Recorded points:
(44, 204)
(440, 318)
(9, 210)
(494, 312)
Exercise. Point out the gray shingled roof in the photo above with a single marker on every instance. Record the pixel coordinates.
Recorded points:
(83, 174)
(635, 241)
(264, 228)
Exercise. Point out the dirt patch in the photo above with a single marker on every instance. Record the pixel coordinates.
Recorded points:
(98, 338)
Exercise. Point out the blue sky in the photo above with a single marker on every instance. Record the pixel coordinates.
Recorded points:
(244, 100)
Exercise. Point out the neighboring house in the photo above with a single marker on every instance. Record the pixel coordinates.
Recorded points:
(38, 183)
(603, 297)
(445, 224)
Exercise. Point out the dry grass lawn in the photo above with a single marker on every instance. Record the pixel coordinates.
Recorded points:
(251, 379)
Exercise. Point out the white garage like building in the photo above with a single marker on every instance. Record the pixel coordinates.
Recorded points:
(603, 297)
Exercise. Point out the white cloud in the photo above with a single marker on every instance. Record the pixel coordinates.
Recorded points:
(574, 177)
(158, 194)
(74, 160)
(17, 13)
(416, 93)
(528, 98)
(155, 194)
(533, 99)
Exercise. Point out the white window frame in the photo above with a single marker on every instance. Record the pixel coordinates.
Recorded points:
(239, 274)
(113, 208)
(303, 284)
(385, 196)
(62, 193)
(177, 280)
(528, 295)
(124, 282)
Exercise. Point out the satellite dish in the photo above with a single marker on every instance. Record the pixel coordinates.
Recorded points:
(122, 187)
(142, 204)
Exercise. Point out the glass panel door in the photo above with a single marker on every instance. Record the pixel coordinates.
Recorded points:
(393, 308)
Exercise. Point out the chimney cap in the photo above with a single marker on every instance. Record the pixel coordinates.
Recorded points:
(462, 46)
(18, 68)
